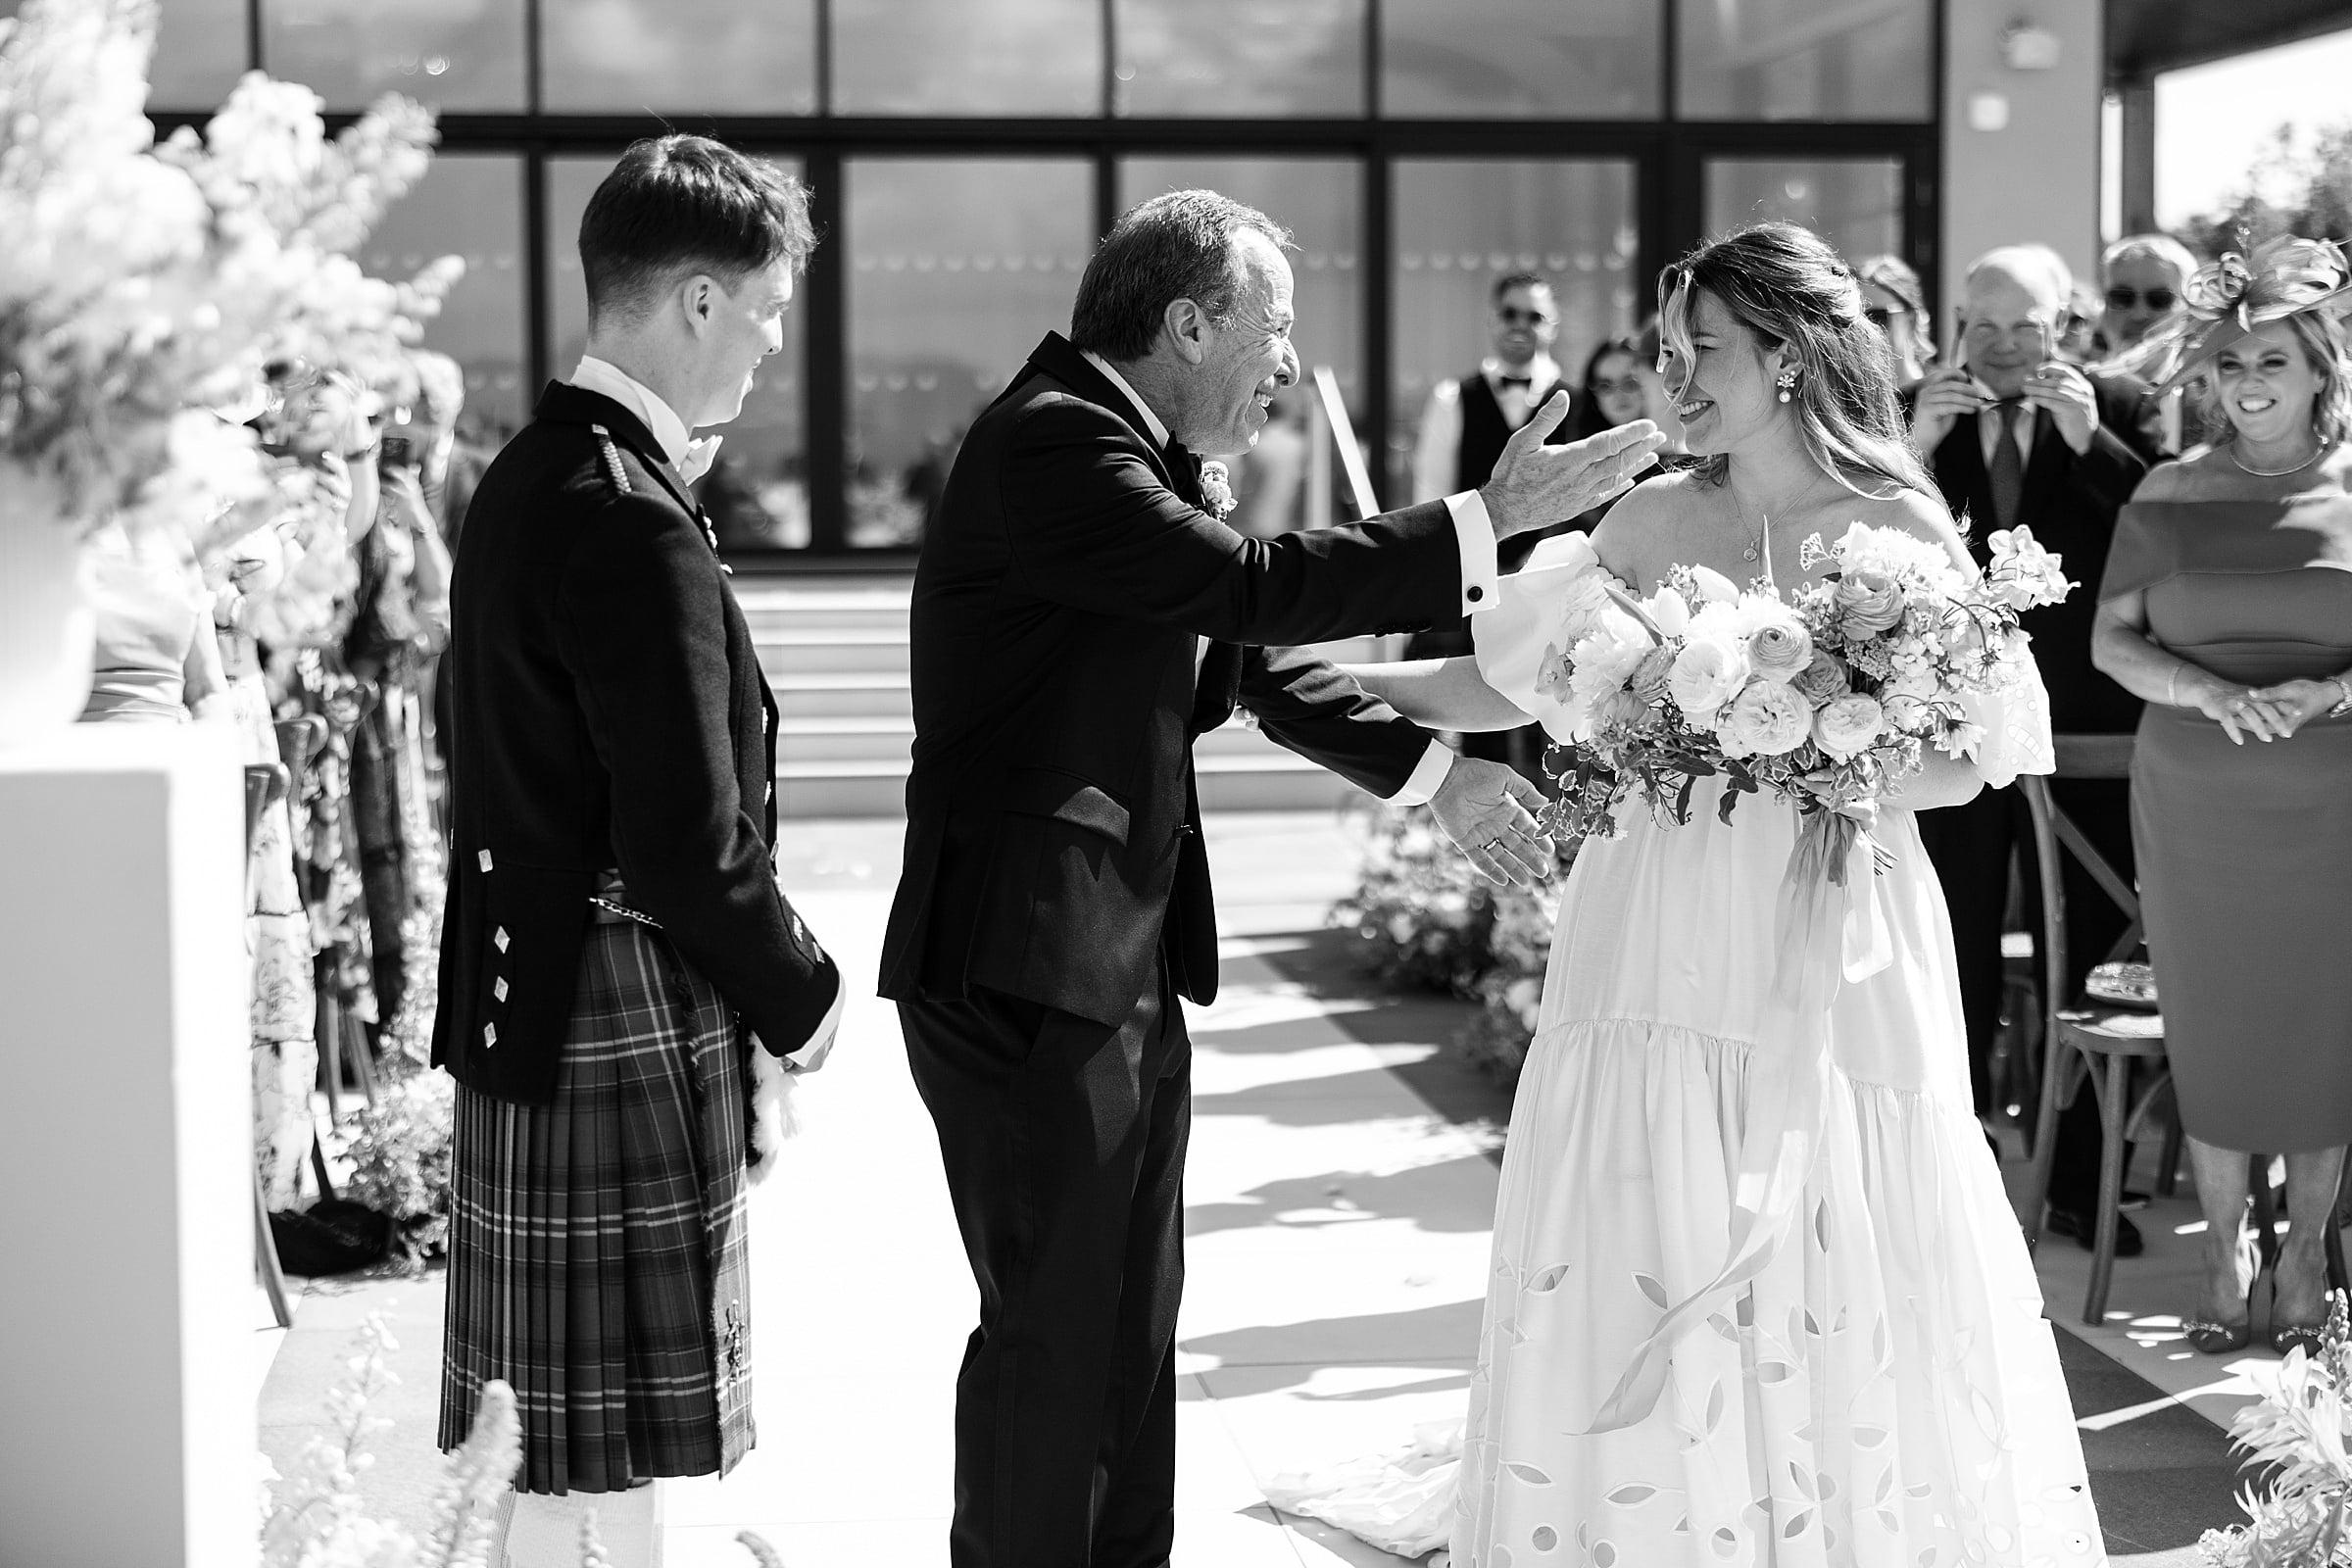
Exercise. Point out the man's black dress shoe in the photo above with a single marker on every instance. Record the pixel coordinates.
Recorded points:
(2085, 1228)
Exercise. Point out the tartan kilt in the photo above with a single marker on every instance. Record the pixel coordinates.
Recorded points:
(597, 1249)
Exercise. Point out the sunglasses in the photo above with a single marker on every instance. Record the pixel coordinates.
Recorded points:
(1514, 315)
(2156, 299)
(1605, 387)
(1879, 315)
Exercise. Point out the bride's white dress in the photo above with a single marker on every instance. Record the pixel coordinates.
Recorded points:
(1871, 1382)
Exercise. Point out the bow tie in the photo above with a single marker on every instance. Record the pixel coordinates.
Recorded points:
(1516, 380)
(699, 455)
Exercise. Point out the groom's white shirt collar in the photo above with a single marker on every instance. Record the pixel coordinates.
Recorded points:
(691, 458)
(1159, 431)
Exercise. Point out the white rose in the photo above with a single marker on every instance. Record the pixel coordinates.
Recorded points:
(1765, 720)
(1848, 725)
(1708, 673)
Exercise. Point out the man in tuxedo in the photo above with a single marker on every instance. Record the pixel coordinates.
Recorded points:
(620, 973)
(1078, 618)
(2017, 436)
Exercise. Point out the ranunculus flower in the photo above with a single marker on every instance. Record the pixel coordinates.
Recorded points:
(1823, 680)
(1779, 648)
(1868, 602)
(1765, 720)
(1707, 673)
(1848, 724)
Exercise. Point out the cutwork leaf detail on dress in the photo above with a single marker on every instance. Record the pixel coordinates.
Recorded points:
(1549, 1279)
(1633, 1495)
(1529, 1473)
(1651, 1288)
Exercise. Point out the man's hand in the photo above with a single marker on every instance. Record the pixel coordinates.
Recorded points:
(2066, 395)
(1535, 485)
(1488, 812)
(1947, 396)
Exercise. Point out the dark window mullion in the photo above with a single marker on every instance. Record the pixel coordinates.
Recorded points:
(1378, 246)
(538, 294)
(824, 45)
(254, 42)
(827, 372)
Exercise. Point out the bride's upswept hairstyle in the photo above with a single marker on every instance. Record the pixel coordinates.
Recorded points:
(1785, 284)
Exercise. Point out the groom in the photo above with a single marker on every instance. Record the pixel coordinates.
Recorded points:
(1078, 618)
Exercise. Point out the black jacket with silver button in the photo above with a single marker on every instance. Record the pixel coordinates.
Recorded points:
(608, 712)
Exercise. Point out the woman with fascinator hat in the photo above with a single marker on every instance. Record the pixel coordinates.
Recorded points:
(2228, 607)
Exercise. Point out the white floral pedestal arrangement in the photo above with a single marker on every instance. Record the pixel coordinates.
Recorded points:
(45, 620)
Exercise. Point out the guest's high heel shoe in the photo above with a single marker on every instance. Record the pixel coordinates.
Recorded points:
(2220, 1339)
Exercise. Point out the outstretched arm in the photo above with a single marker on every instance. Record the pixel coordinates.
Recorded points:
(1441, 694)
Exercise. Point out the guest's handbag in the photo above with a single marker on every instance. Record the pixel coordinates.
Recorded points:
(2121, 984)
(334, 1236)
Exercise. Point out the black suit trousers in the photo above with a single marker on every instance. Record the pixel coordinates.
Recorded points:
(1064, 1143)
(1971, 846)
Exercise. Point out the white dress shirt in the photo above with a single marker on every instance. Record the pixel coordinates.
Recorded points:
(1440, 437)
(1474, 536)
(691, 458)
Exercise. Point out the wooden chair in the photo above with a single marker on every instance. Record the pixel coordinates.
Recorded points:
(265, 786)
(2084, 1039)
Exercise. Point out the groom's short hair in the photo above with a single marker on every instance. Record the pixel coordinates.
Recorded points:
(680, 205)
(1178, 246)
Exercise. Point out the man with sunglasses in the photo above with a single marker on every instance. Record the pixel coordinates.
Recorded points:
(1463, 435)
(2141, 276)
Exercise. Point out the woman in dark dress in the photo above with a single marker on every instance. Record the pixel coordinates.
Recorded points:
(2228, 605)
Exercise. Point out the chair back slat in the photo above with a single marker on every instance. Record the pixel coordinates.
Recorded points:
(2092, 755)
(2109, 881)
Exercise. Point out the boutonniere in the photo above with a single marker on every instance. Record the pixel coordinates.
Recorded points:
(1216, 489)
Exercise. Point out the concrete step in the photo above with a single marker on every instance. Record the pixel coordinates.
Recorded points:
(870, 649)
(844, 737)
(842, 693)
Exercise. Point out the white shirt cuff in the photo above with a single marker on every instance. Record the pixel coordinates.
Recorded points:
(812, 1055)
(1422, 787)
(1475, 531)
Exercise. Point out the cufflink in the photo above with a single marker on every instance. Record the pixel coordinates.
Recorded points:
(499, 939)
(484, 857)
(500, 990)
(1475, 593)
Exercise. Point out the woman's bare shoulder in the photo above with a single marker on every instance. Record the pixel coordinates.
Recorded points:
(1644, 522)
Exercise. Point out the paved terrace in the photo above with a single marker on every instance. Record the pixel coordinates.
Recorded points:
(1340, 1190)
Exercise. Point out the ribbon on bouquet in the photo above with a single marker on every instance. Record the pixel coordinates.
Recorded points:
(1830, 926)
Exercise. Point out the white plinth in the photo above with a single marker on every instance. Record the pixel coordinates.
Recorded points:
(127, 1417)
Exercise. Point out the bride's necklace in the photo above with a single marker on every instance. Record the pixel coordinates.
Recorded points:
(1755, 547)
(2270, 473)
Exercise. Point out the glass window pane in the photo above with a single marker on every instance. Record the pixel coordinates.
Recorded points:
(1320, 201)
(717, 57)
(467, 205)
(1856, 204)
(199, 52)
(1240, 56)
(1460, 225)
(453, 54)
(758, 492)
(967, 57)
(956, 268)
(1806, 59)
(1507, 59)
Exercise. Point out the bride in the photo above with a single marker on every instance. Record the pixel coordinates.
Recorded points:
(1757, 1294)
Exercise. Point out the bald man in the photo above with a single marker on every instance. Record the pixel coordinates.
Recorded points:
(2017, 436)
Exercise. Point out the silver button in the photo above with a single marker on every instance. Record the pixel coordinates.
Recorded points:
(489, 1035)
(486, 860)
(500, 990)
(500, 939)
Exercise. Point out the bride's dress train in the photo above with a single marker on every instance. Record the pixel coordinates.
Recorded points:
(1878, 1388)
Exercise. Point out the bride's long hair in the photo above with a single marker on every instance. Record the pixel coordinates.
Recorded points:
(1785, 284)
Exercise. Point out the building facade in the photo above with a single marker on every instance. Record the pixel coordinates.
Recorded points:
(964, 155)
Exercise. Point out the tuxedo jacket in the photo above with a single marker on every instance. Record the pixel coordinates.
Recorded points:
(2070, 501)
(1053, 825)
(609, 714)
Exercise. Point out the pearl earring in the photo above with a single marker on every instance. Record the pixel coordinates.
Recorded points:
(1788, 383)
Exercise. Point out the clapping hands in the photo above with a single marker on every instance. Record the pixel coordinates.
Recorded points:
(1536, 486)
(1488, 812)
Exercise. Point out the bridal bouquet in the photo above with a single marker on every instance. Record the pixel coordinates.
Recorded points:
(1826, 699)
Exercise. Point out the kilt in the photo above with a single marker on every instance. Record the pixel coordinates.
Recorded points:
(597, 1248)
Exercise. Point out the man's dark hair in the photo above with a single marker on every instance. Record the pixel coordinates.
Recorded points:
(1511, 280)
(687, 203)
(1173, 247)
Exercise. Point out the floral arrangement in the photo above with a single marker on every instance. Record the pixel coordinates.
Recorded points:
(142, 287)
(400, 1154)
(2298, 1437)
(1826, 700)
(1510, 993)
(316, 1518)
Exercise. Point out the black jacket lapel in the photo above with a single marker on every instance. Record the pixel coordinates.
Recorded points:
(1057, 358)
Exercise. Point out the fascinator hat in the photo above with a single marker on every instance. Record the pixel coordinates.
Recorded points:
(2227, 300)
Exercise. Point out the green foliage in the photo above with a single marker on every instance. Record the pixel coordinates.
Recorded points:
(2291, 189)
